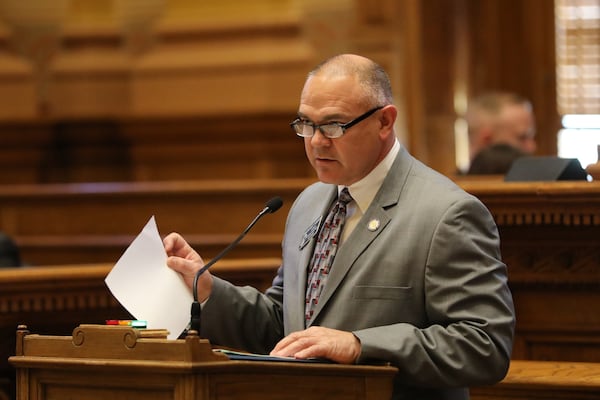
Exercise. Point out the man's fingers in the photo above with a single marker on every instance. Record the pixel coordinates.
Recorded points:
(320, 342)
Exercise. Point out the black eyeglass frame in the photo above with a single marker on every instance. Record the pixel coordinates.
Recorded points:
(344, 127)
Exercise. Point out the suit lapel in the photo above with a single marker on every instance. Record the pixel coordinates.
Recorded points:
(363, 235)
(358, 242)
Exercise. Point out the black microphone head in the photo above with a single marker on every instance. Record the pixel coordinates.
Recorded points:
(274, 204)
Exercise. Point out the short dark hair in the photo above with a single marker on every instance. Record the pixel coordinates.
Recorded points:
(489, 105)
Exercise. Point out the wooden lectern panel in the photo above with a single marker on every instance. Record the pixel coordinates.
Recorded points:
(124, 363)
(51, 384)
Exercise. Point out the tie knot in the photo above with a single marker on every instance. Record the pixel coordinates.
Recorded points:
(345, 197)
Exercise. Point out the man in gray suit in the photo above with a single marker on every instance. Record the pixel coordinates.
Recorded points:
(417, 280)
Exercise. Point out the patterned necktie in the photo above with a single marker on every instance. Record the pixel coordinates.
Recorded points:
(324, 253)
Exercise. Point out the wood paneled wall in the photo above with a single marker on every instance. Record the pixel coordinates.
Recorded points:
(151, 149)
(205, 59)
(84, 223)
(511, 47)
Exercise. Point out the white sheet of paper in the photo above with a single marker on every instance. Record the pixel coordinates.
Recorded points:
(143, 283)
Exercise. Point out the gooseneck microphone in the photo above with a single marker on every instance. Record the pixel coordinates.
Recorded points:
(272, 205)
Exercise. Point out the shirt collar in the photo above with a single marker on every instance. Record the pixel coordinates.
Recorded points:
(363, 192)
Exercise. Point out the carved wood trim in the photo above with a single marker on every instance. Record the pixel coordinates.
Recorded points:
(82, 287)
(539, 203)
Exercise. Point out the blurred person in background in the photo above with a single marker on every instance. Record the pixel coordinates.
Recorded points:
(501, 118)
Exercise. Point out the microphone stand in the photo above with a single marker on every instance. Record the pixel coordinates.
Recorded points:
(272, 205)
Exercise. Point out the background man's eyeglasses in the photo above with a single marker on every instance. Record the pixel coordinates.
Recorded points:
(331, 130)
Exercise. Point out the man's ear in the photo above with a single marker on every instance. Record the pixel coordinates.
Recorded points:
(388, 118)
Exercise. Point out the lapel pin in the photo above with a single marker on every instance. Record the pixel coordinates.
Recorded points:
(373, 225)
(310, 232)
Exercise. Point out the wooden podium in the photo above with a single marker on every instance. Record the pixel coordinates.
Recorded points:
(124, 363)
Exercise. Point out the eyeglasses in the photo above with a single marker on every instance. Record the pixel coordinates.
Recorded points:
(332, 130)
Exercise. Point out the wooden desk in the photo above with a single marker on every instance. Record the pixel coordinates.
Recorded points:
(91, 223)
(191, 207)
(100, 362)
(106, 248)
(55, 299)
(550, 238)
(544, 380)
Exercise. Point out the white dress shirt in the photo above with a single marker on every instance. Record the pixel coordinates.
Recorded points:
(363, 192)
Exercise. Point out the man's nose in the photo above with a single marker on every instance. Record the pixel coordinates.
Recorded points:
(319, 139)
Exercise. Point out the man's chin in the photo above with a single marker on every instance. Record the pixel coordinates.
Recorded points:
(328, 171)
(328, 177)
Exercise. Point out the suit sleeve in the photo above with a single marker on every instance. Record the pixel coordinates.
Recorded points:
(243, 317)
(468, 337)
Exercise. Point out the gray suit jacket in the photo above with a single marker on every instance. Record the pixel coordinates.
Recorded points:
(426, 291)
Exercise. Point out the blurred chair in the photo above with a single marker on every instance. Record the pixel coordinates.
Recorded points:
(494, 160)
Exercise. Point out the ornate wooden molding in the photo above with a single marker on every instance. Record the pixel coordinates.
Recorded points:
(539, 203)
(63, 288)
(81, 287)
(549, 231)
